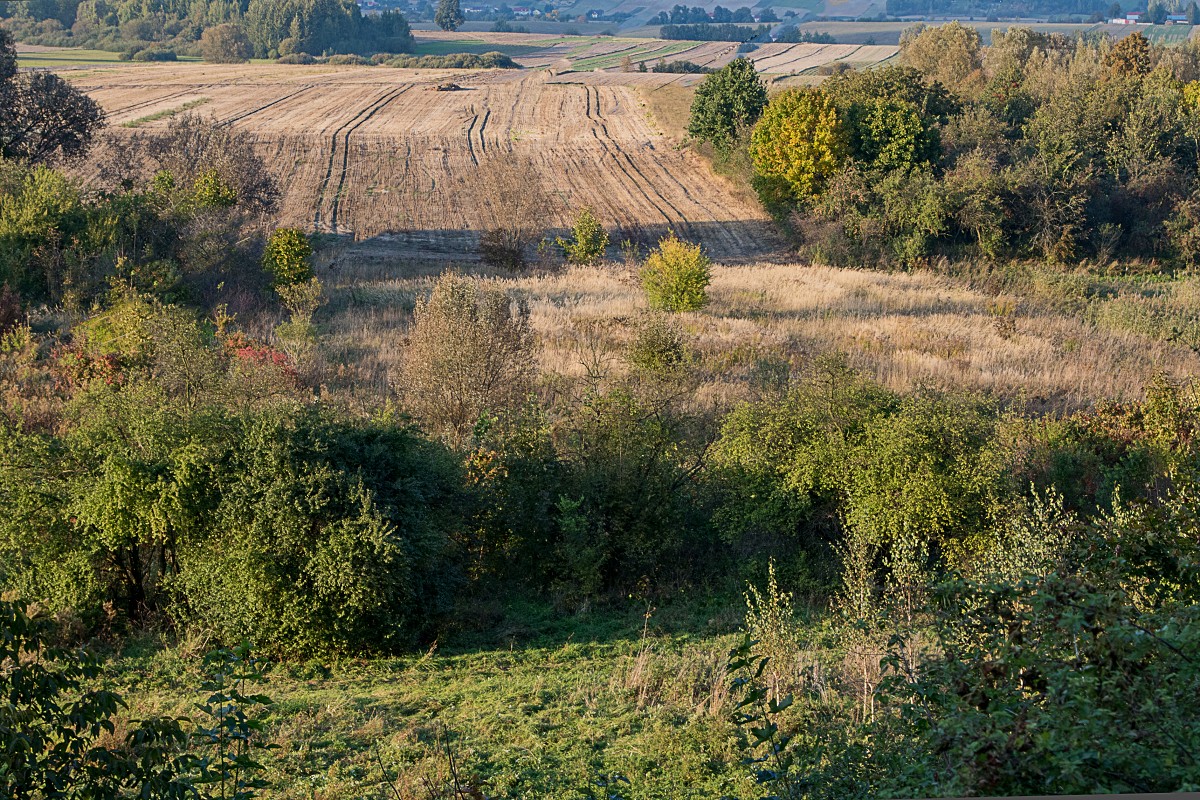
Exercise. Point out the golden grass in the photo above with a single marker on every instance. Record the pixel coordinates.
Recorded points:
(905, 330)
(669, 106)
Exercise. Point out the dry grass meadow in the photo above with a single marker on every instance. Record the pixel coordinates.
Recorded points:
(906, 330)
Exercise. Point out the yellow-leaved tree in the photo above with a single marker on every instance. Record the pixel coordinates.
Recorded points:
(797, 146)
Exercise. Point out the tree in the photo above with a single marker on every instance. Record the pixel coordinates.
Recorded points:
(1156, 12)
(588, 239)
(949, 53)
(1193, 14)
(516, 206)
(226, 44)
(797, 146)
(728, 102)
(676, 275)
(449, 15)
(1130, 56)
(41, 115)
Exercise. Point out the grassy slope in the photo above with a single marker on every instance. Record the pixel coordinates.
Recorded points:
(580, 697)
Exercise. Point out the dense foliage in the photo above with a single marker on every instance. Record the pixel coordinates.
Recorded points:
(1038, 147)
(271, 27)
(727, 103)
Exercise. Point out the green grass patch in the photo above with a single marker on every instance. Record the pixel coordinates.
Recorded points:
(538, 703)
(648, 54)
(1167, 34)
(473, 46)
(166, 113)
(66, 57)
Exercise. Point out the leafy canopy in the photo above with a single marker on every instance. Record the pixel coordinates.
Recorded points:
(727, 102)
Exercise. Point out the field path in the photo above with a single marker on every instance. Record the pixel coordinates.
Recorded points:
(378, 154)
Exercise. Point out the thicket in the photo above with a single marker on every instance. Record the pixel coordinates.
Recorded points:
(271, 28)
(494, 60)
(1064, 150)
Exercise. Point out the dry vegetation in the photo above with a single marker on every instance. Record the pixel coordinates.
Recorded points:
(906, 330)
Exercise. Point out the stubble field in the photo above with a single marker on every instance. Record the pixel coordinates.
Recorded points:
(377, 154)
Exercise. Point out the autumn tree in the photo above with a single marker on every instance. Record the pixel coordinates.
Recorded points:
(1130, 56)
(729, 101)
(797, 146)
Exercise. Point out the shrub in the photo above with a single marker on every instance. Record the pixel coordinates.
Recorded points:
(470, 353)
(288, 257)
(296, 58)
(676, 276)
(155, 54)
(349, 61)
(326, 538)
(658, 347)
(588, 239)
(226, 44)
(493, 60)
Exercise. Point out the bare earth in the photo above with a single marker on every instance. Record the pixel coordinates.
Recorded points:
(376, 154)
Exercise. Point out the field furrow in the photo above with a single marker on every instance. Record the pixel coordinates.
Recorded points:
(378, 155)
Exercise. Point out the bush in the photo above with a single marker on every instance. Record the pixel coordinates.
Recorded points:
(349, 61)
(470, 354)
(676, 276)
(327, 538)
(515, 209)
(155, 54)
(288, 257)
(659, 347)
(296, 58)
(493, 60)
(226, 44)
(588, 239)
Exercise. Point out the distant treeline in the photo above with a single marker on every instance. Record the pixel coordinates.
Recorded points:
(680, 67)
(682, 15)
(273, 27)
(714, 33)
(793, 35)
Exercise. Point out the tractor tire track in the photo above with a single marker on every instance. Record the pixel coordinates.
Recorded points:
(337, 195)
(259, 109)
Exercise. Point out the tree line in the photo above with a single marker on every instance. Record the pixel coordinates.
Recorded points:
(1040, 146)
(270, 29)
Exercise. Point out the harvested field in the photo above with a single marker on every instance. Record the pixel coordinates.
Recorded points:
(581, 53)
(373, 154)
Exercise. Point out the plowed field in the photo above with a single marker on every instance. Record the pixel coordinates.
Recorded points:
(377, 154)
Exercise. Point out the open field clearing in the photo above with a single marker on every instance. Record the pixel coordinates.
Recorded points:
(905, 330)
(375, 153)
(608, 53)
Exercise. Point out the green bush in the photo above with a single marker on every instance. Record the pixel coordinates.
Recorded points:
(288, 257)
(676, 276)
(588, 239)
(329, 536)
